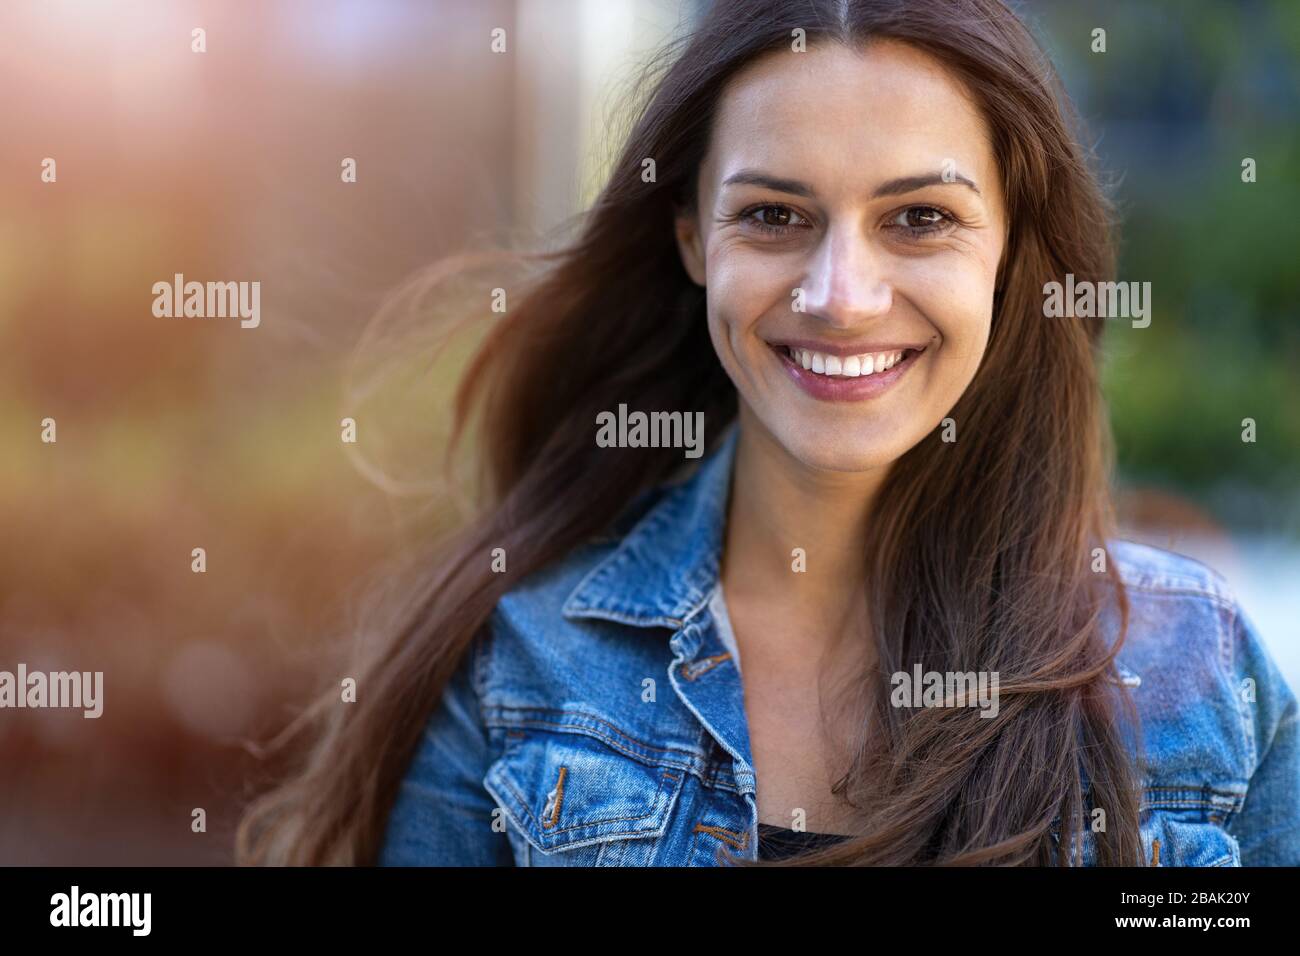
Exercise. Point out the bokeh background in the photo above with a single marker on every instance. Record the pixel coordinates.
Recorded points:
(182, 433)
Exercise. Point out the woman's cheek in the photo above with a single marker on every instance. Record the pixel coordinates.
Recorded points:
(740, 292)
(958, 303)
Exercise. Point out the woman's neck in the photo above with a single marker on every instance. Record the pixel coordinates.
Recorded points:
(777, 505)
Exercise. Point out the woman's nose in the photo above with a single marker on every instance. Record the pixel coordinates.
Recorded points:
(846, 282)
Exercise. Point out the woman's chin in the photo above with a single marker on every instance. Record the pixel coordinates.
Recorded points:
(821, 448)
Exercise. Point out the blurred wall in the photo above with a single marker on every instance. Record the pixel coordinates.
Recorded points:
(183, 433)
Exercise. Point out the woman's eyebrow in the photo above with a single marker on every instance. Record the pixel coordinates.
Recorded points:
(906, 184)
(755, 177)
(894, 187)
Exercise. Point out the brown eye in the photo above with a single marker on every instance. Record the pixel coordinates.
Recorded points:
(773, 218)
(924, 216)
(920, 218)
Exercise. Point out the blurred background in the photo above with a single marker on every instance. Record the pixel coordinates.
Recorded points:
(175, 434)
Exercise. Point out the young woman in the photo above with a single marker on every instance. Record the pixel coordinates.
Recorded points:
(634, 656)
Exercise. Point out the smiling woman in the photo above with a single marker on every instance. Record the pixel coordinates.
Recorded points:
(839, 265)
(890, 264)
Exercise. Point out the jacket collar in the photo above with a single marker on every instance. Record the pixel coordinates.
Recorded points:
(667, 567)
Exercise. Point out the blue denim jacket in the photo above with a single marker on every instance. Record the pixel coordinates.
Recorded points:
(600, 720)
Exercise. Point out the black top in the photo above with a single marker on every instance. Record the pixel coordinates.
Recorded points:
(776, 843)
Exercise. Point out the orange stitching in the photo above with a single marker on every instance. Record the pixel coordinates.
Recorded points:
(736, 840)
(692, 672)
(523, 803)
(1155, 852)
(559, 798)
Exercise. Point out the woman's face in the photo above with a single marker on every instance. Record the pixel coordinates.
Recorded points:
(848, 233)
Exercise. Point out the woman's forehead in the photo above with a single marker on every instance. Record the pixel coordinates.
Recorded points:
(848, 115)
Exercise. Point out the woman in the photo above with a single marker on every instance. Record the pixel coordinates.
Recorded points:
(837, 257)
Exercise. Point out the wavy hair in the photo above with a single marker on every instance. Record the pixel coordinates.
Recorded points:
(982, 551)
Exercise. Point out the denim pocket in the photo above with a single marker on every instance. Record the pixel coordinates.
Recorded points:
(566, 791)
(1184, 840)
(1172, 837)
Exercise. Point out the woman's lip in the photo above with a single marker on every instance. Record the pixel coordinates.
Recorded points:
(843, 351)
(843, 388)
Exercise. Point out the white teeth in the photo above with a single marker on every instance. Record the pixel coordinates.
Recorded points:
(849, 366)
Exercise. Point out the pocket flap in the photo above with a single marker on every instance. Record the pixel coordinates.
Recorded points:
(563, 790)
(1189, 843)
(1171, 838)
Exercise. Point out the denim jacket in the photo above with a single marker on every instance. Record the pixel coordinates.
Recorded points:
(599, 719)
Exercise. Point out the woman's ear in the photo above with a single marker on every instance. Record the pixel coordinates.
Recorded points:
(690, 244)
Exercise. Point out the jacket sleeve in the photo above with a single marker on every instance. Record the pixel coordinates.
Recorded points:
(443, 816)
(1268, 825)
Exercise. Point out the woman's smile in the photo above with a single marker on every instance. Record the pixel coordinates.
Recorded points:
(846, 373)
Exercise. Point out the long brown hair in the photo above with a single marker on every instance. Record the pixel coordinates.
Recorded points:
(982, 553)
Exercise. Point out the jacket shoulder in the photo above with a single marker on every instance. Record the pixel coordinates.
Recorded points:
(1182, 613)
(1144, 567)
(1217, 716)
(1183, 618)
(1198, 667)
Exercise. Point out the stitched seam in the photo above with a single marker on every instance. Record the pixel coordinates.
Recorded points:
(1213, 807)
(704, 665)
(578, 826)
(619, 617)
(1220, 599)
(519, 798)
(1203, 795)
(712, 775)
(597, 735)
(708, 576)
(578, 728)
(1243, 708)
(730, 837)
(559, 798)
(1217, 811)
